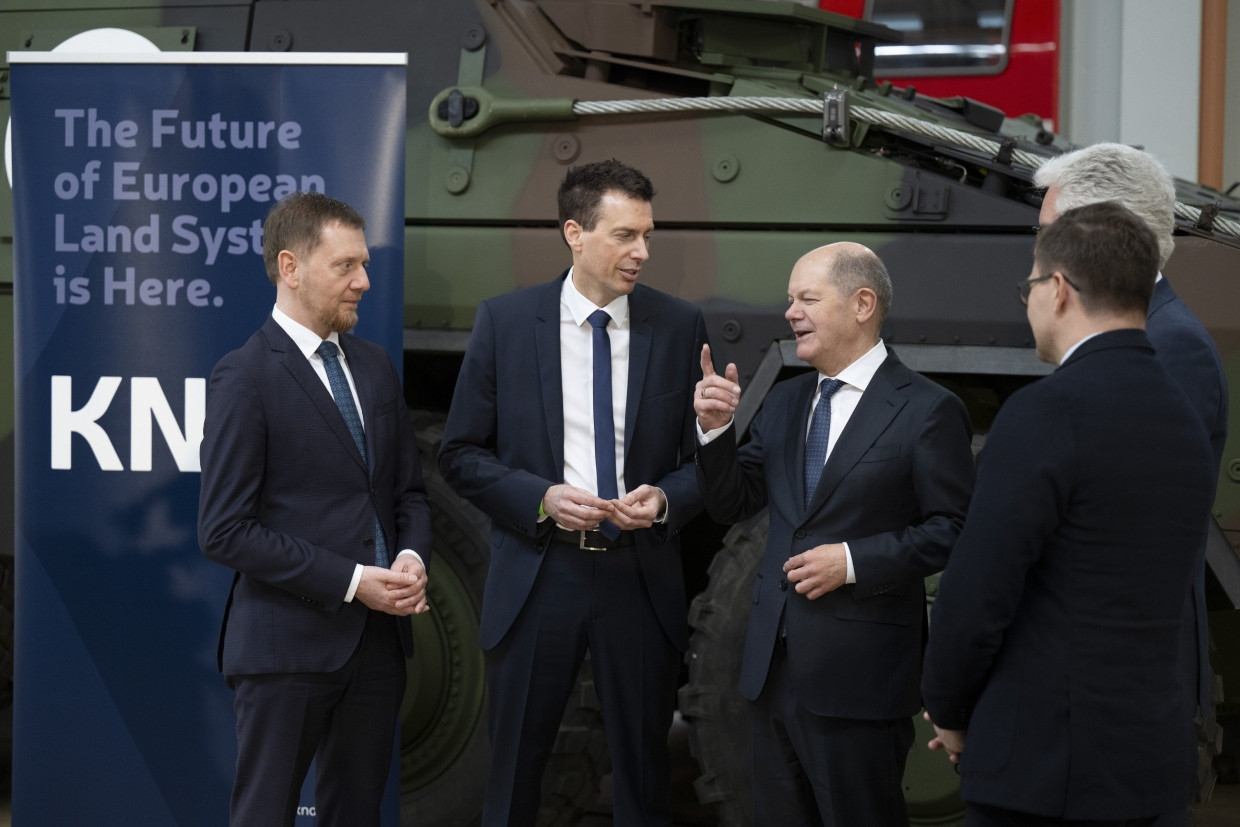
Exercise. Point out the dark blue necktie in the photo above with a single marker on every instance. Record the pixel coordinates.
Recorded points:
(344, 401)
(819, 436)
(604, 418)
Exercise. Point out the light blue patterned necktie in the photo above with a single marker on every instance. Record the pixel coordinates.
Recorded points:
(344, 401)
(819, 436)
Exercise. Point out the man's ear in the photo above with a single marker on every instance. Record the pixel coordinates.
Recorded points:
(286, 266)
(866, 304)
(1062, 289)
(572, 234)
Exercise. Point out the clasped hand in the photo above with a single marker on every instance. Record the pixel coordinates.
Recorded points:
(579, 510)
(400, 590)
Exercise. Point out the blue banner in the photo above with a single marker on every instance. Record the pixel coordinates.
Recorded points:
(140, 191)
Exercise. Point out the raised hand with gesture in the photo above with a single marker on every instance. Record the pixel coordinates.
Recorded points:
(715, 398)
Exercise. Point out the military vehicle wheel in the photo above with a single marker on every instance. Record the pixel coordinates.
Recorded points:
(716, 712)
(1209, 742)
(709, 701)
(444, 747)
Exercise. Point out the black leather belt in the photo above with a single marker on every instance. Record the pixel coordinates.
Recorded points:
(593, 540)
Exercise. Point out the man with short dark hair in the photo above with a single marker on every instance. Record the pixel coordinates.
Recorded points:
(1054, 636)
(312, 492)
(571, 428)
(1136, 180)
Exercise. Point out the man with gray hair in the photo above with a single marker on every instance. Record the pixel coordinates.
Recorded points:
(866, 471)
(1136, 180)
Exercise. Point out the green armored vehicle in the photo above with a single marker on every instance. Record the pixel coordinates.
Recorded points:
(763, 132)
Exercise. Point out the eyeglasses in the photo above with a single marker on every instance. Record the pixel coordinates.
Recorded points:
(1025, 287)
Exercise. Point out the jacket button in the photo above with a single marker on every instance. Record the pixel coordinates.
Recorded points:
(800, 534)
(783, 584)
(369, 543)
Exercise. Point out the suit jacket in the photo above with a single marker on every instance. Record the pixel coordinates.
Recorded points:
(288, 502)
(1185, 349)
(895, 488)
(1053, 638)
(503, 444)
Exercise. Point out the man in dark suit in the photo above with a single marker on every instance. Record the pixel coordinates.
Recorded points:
(1135, 179)
(867, 484)
(312, 492)
(571, 429)
(1054, 636)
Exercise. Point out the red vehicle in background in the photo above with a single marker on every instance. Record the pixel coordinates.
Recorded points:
(1001, 52)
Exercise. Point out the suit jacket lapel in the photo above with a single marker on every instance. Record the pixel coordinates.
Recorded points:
(547, 356)
(795, 435)
(641, 332)
(878, 406)
(365, 397)
(299, 368)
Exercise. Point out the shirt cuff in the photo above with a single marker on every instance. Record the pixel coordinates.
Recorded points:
(851, 576)
(709, 436)
(357, 578)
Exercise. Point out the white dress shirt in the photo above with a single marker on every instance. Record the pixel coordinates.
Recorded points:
(577, 384)
(308, 342)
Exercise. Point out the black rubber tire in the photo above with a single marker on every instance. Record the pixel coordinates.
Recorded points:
(1209, 742)
(717, 714)
(444, 746)
(709, 701)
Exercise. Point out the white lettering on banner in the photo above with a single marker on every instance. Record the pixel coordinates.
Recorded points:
(147, 402)
(66, 422)
(154, 292)
(221, 134)
(241, 239)
(117, 238)
(225, 189)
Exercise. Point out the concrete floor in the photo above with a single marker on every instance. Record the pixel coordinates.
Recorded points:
(1222, 811)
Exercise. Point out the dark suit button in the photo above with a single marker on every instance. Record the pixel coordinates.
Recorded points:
(369, 543)
(800, 535)
(783, 584)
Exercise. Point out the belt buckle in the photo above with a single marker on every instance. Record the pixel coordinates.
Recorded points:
(581, 542)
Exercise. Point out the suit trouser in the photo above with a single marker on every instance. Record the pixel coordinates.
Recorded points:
(345, 719)
(978, 815)
(582, 600)
(822, 771)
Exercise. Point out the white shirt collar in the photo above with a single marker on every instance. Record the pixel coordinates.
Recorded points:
(307, 340)
(580, 308)
(1072, 349)
(860, 372)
